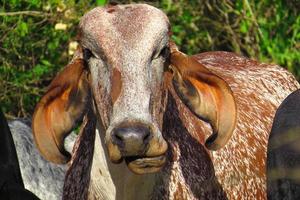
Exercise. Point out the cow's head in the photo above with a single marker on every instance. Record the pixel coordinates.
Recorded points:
(125, 52)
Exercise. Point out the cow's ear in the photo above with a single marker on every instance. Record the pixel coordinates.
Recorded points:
(58, 111)
(206, 95)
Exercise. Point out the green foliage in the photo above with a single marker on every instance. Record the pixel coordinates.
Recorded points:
(35, 37)
(33, 49)
(101, 2)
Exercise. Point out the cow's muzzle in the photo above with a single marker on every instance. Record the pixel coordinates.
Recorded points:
(132, 140)
(137, 143)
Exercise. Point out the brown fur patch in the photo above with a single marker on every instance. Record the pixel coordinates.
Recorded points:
(116, 85)
(111, 10)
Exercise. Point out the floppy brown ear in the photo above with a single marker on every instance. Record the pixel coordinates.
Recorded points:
(59, 109)
(206, 95)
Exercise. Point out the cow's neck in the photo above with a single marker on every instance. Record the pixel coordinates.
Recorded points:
(115, 181)
(184, 176)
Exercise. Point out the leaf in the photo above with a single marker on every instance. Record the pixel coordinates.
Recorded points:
(187, 17)
(177, 29)
(244, 27)
(177, 40)
(14, 3)
(101, 2)
(40, 70)
(35, 2)
(46, 62)
(23, 28)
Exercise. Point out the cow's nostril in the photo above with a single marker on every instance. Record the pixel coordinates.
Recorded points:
(146, 137)
(117, 138)
(131, 140)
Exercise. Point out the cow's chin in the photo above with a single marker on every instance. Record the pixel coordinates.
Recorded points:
(145, 165)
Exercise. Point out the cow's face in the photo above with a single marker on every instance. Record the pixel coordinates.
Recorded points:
(126, 49)
(120, 67)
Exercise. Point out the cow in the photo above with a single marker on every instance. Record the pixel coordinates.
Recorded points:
(155, 122)
(24, 173)
(283, 153)
(43, 178)
(11, 182)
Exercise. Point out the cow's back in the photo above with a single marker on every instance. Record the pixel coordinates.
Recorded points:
(259, 89)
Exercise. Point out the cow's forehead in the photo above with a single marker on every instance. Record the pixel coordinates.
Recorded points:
(120, 27)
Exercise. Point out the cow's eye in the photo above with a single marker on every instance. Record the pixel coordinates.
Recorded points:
(164, 52)
(87, 54)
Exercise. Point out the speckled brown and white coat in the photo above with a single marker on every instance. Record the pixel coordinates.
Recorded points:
(126, 41)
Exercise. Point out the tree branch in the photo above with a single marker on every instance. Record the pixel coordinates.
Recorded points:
(27, 12)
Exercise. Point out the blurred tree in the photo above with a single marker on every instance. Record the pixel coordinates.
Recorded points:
(37, 37)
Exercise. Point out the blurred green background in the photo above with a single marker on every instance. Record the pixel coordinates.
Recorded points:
(37, 38)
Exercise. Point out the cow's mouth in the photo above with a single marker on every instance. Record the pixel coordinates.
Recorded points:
(145, 165)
